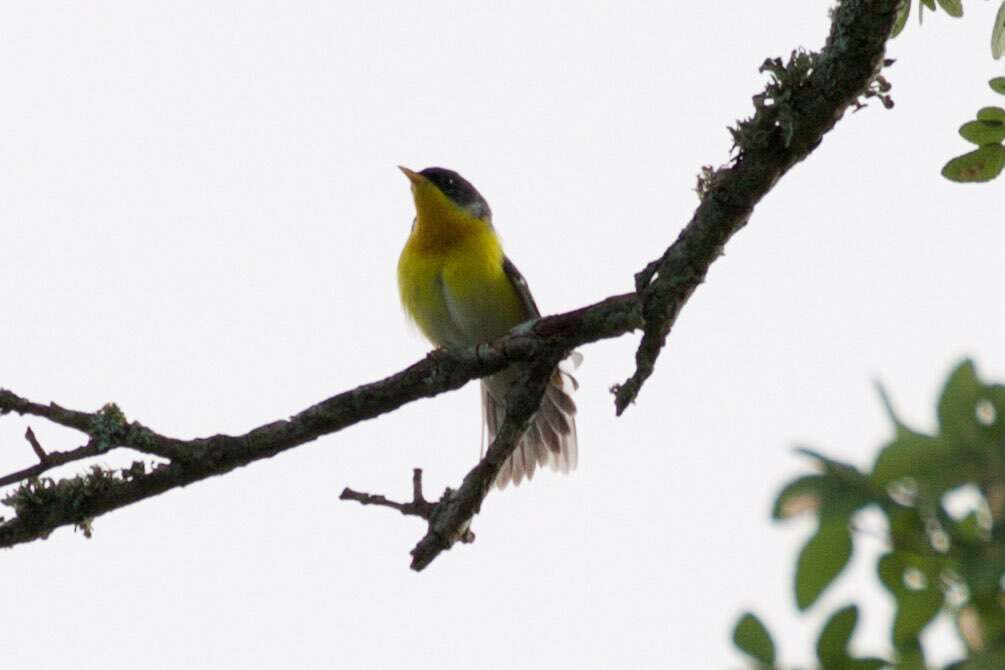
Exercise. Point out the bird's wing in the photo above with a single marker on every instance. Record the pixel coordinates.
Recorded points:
(520, 284)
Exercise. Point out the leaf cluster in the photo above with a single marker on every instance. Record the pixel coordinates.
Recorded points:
(988, 131)
(935, 561)
(952, 7)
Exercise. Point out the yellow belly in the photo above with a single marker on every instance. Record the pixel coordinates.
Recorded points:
(458, 294)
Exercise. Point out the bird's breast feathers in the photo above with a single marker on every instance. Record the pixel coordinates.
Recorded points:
(459, 294)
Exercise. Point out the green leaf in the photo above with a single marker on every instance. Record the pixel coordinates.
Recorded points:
(992, 660)
(870, 663)
(915, 610)
(800, 495)
(821, 560)
(928, 3)
(983, 132)
(892, 566)
(981, 165)
(997, 85)
(953, 7)
(890, 569)
(752, 638)
(993, 114)
(957, 408)
(994, 425)
(907, 526)
(914, 582)
(903, 12)
(982, 575)
(998, 33)
(843, 488)
(972, 414)
(929, 461)
(970, 528)
(911, 658)
(832, 645)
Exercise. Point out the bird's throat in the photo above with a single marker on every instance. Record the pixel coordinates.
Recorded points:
(440, 225)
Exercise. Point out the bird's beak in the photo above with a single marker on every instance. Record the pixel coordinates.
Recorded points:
(413, 177)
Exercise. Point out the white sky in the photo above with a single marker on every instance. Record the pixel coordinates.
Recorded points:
(201, 219)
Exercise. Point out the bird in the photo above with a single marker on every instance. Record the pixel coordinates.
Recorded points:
(460, 289)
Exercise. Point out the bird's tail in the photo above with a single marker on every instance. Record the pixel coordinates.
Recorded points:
(551, 437)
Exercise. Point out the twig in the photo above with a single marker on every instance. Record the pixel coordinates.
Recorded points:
(29, 435)
(452, 516)
(418, 506)
(52, 460)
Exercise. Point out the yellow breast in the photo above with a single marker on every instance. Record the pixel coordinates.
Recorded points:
(451, 279)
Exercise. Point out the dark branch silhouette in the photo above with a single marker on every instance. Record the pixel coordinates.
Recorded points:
(29, 435)
(417, 506)
(452, 516)
(44, 505)
(805, 98)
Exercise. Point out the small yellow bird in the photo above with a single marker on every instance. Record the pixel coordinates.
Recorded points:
(461, 290)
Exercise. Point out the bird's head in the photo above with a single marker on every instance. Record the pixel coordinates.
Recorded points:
(436, 189)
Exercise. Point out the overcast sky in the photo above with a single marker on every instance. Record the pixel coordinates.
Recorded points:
(201, 218)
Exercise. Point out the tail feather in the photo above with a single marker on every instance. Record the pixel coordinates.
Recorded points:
(550, 439)
(552, 413)
(560, 397)
(568, 456)
(518, 464)
(541, 451)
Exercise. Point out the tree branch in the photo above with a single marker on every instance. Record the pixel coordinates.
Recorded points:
(43, 506)
(805, 99)
(452, 515)
(53, 460)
